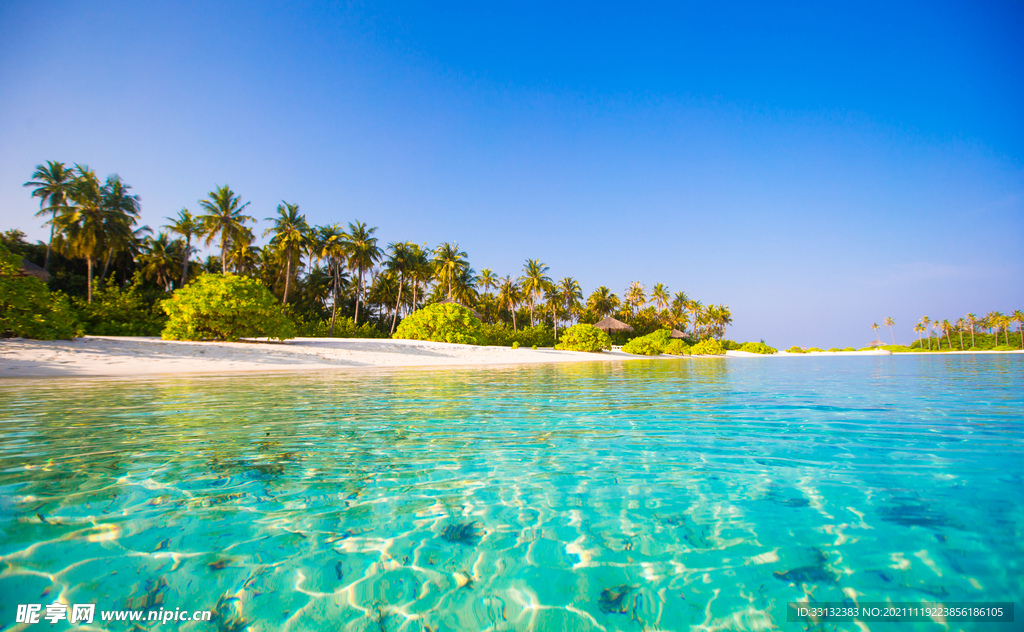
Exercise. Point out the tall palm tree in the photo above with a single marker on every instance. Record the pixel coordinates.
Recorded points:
(510, 295)
(992, 322)
(421, 270)
(569, 288)
(52, 183)
(449, 262)
(464, 287)
(126, 208)
(926, 322)
(918, 328)
(400, 262)
(1004, 321)
(157, 259)
(534, 281)
(83, 226)
(330, 246)
(960, 324)
(488, 280)
(602, 302)
(291, 236)
(363, 252)
(1018, 316)
(223, 218)
(889, 322)
(874, 326)
(946, 326)
(187, 226)
(971, 318)
(659, 294)
(635, 296)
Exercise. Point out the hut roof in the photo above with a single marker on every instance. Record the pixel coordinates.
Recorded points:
(30, 269)
(676, 334)
(612, 324)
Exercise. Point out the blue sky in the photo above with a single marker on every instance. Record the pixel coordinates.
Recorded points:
(815, 168)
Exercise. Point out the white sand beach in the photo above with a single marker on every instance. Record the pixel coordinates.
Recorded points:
(122, 357)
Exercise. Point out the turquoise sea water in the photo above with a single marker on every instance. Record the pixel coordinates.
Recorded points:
(657, 495)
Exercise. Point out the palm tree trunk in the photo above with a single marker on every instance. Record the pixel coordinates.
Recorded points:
(49, 245)
(359, 287)
(398, 303)
(334, 306)
(110, 255)
(184, 269)
(287, 280)
(88, 277)
(972, 334)
(531, 311)
(514, 327)
(892, 334)
(961, 339)
(223, 251)
(948, 341)
(1006, 334)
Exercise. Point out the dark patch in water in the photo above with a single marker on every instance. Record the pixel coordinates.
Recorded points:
(794, 502)
(339, 570)
(913, 514)
(153, 597)
(462, 533)
(812, 573)
(613, 600)
(227, 617)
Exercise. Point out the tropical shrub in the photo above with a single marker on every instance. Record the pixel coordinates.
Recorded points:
(677, 347)
(707, 347)
(795, 349)
(730, 345)
(503, 335)
(28, 309)
(584, 337)
(652, 344)
(757, 347)
(810, 349)
(122, 312)
(834, 349)
(1005, 348)
(344, 327)
(515, 345)
(849, 349)
(225, 307)
(974, 349)
(442, 322)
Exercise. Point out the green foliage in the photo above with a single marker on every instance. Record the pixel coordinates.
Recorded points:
(1005, 348)
(849, 349)
(114, 311)
(974, 349)
(677, 347)
(503, 335)
(795, 350)
(730, 345)
(757, 347)
(982, 342)
(810, 349)
(225, 307)
(834, 349)
(584, 337)
(707, 347)
(309, 326)
(442, 322)
(534, 347)
(515, 345)
(28, 309)
(651, 345)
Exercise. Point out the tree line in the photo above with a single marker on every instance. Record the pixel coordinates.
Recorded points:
(321, 271)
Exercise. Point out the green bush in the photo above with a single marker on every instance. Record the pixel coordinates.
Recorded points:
(502, 335)
(758, 347)
(849, 349)
(707, 347)
(225, 307)
(730, 345)
(1005, 348)
(28, 309)
(677, 347)
(810, 349)
(974, 349)
(344, 327)
(651, 345)
(515, 345)
(122, 312)
(834, 349)
(584, 337)
(795, 350)
(442, 322)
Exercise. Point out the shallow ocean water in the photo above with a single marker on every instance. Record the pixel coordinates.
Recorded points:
(658, 495)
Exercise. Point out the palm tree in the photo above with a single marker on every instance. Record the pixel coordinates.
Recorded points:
(187, 226)
(157, 259)
(926, 322)
(1018, 316)
(52, 184)
(83, 226)
(569, 288)
(400, 262)
(602, 302)
(874, 326)
(889, 322)
(1004, 321)
(992, 321)
(488, 280)
(722, 317)
(363, 252)
(659, 294)
(126, 209)
(510, 295)
(946, 326)
(970, 319)
(290, 235)
(330, 246)
(918, 328)
(223, 218)
(449, 261)
(534, 281)
(635, 295)
(421, 270)
(959, 324)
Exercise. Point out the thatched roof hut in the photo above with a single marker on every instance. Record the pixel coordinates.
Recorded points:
(676, 334)
(30, 269)
(610, 325)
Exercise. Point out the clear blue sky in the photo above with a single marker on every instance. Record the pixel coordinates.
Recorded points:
(816, 168)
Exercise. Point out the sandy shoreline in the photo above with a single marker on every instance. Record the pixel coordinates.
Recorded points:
(101, 356)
